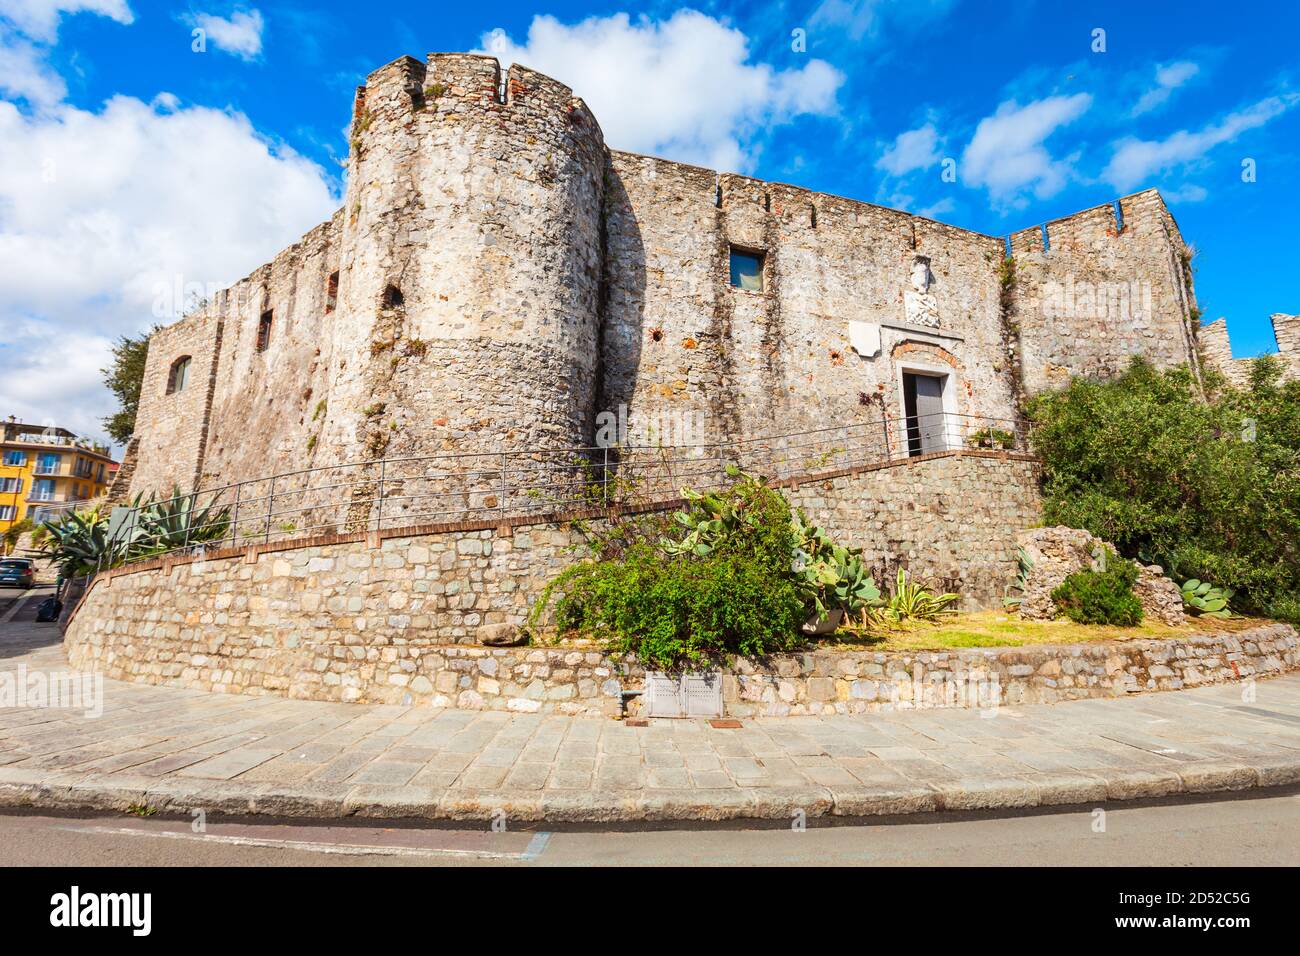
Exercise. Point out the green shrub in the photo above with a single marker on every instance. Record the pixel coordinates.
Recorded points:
(734, 572)
(682, 613)
(1101, 597)
(1207, 489)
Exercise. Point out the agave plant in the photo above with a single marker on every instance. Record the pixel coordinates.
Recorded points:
(1205, 600)
(1024, 564)
(78, 543)
(176, 522)
(913, 600)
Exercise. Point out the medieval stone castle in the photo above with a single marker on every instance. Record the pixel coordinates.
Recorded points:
(498, 277)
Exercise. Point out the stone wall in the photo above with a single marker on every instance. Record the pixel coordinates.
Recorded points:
(681, 344)
(951, 521)
(171, 428)
(1091, 291)
(497, 278)
(1216, 349)
(350, 616)
(854, 682)
(450, 305)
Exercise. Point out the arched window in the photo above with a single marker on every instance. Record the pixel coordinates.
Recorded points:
(179, 375)
(393, 298)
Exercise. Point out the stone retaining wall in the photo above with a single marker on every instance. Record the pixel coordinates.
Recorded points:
(330, 617)
(585, 681)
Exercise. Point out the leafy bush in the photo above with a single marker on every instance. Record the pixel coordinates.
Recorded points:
(735, 572)
(1207, 489)
(679, 613)
(1101, 597)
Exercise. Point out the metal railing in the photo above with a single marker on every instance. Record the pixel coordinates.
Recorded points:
(476, 486)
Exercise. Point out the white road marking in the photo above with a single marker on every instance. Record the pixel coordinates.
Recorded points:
(531, 852)
(18, 604)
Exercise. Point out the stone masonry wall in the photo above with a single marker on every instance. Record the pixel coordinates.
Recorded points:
(172, 428)
(1097, 293)
(952, 521)
(499, 278)
(351, 617)
(1216, 349)
(681, 344)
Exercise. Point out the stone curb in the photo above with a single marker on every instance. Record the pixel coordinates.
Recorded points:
(67, 791)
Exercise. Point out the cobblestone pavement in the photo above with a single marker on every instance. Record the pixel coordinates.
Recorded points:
(177, 749)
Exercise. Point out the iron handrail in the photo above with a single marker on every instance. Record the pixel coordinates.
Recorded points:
(528, 480)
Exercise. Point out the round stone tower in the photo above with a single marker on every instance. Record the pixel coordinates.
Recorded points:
(467, 298)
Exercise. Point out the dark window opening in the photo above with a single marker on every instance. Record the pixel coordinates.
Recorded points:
(331, 292)
(747, 270)
(264, 331)
(393, 298)
(179, 375)
(923, 406)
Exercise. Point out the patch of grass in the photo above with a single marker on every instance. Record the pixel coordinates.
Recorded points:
(141, 810)
(1000, 629)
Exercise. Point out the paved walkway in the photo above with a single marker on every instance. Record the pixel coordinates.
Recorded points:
(176, 749)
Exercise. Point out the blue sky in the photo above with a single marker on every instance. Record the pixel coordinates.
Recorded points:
(130, 163)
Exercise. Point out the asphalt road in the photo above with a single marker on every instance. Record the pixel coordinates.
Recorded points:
(1259, 831)
(16, 603)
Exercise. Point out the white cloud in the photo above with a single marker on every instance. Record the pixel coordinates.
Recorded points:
(1169, 77)
(859, 19)
(682, 88)
(913, 150)
(27, 29)
(39, 19)
(1007, 154)
(239, 35)
(98, 209)
(1188, 192)
(1136, 160)
(24, 74)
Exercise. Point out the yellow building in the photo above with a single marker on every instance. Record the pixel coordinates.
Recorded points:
(45, 470)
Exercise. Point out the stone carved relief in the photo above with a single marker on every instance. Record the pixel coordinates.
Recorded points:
(920, 307)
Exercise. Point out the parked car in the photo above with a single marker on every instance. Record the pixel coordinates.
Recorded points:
(17, 572)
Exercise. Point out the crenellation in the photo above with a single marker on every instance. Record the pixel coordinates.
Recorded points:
(1286, 329)
(505, 280)
(1216, 350)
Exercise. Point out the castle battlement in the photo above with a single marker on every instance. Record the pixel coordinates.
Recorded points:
(499, 278)
(1216, 348)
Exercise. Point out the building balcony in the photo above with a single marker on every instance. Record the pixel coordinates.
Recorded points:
(59, 441)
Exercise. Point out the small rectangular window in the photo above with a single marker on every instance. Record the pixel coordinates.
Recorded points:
(7, 512)
(331, 293)
(747, 270)
(179, 375)
(16, 458)
(264, 331)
